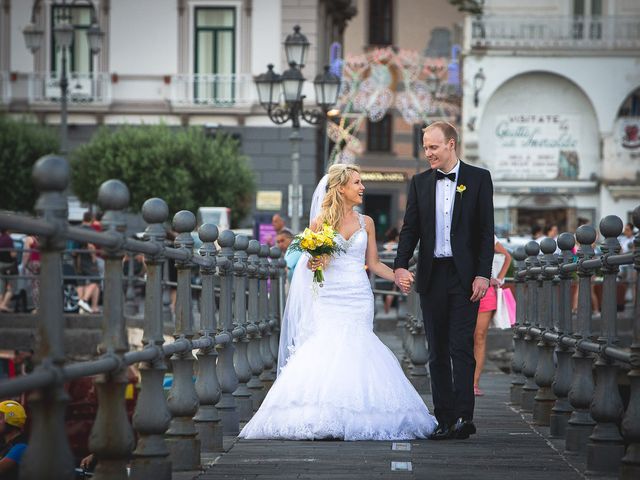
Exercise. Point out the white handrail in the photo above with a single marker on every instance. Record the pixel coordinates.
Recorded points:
(533, 31)
(212, 90)
(84, 88)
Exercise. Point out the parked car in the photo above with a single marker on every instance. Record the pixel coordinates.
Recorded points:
(218, 216)
(513, 242)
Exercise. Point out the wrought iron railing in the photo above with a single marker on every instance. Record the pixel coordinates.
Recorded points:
(84, 88)
(567, 372)
(548, 32)
(212, 90)
(236, 348)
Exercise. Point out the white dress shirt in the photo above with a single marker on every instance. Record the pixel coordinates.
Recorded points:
(445, 199)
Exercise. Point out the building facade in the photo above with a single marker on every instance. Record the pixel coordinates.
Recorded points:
(180, 62)
(552, 108)
(392, 150)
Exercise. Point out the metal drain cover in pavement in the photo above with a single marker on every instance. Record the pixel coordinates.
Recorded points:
(400, 466)
(401, 446)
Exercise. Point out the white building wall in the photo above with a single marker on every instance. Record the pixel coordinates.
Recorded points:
(146, 63)
(620, 207)
(621, 163)
(266, 35)
(530, 7)
(21, 57)
(555, 7)
(606, 81)
(586, 82)
(529, 111)
(143, 37)
(305, 14)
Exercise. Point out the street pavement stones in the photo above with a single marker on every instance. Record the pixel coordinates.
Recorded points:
(507, 446)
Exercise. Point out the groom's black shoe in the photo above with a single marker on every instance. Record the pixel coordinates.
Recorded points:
(442, 432)
(462, 429)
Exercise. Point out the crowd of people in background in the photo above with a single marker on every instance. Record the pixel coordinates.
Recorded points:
(83, 266)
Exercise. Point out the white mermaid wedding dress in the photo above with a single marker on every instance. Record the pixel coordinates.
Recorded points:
(341, 382)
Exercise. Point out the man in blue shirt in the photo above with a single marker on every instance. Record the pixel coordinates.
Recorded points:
(283, 240)
(14, 441)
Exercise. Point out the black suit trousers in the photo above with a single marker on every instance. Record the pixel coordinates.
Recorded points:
(450, 321)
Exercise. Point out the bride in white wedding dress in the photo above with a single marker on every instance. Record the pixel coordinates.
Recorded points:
(336, 378)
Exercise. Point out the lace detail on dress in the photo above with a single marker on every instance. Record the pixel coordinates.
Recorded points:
(346, 244)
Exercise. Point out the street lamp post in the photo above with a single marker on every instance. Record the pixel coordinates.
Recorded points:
(288, 86)
(63, 33)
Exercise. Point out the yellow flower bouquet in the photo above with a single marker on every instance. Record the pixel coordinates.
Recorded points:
(317, 244)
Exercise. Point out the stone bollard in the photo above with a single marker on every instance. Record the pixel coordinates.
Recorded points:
(561, 410)
(282, 276)
(268, 375)
(243, 370)
(419, 356)
(580, 423)
(530, 387)
(49, 455)
(544, 398)
(111, 438)
(151, 418)
(226, 371)
(517, 362)
(182, 436)
(130, 305)
(630, 468)
(207, 420)
(253, 353)
(606, 447)
(275, 276)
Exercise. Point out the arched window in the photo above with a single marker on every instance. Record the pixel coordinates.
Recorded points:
(631, 106)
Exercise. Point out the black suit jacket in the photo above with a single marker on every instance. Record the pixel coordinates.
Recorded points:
(472, 241)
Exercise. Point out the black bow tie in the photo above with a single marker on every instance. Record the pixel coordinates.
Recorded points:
(451, 176)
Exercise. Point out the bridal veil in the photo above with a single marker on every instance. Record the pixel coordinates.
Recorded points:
(297, 320)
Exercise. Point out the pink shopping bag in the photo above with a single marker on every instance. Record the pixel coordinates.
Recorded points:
(510, 303)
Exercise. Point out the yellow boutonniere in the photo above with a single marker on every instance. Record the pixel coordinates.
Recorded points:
(460, 189)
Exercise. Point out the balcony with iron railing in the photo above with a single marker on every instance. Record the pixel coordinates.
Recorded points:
(217, 90)
(185, 91)
(84, 88)
(555, 32)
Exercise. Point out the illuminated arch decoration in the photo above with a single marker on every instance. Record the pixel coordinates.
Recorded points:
(421, 89)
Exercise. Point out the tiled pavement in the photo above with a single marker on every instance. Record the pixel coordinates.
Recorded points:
(506, 446)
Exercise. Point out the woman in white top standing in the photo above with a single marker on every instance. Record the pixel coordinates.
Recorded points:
(488, 305)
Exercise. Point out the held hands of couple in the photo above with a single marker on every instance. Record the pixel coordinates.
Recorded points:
(403, 279)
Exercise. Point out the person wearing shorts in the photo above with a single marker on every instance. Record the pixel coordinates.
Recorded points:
(488, 305)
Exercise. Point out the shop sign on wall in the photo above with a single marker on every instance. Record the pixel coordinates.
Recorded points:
(537, 146)
(383, 176)
(269, 200)
(629, 134)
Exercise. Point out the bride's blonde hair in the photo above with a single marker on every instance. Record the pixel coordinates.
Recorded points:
(332, 209)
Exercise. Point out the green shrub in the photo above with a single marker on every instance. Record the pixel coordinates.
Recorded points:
(183, 166)
(21, 145)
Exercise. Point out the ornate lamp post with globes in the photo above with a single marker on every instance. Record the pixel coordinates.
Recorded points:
(288, 87)
(63, 33)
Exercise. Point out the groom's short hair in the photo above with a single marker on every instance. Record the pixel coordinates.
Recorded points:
(448, 130)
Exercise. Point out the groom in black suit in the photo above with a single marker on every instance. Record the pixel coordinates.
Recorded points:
(450, 211)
